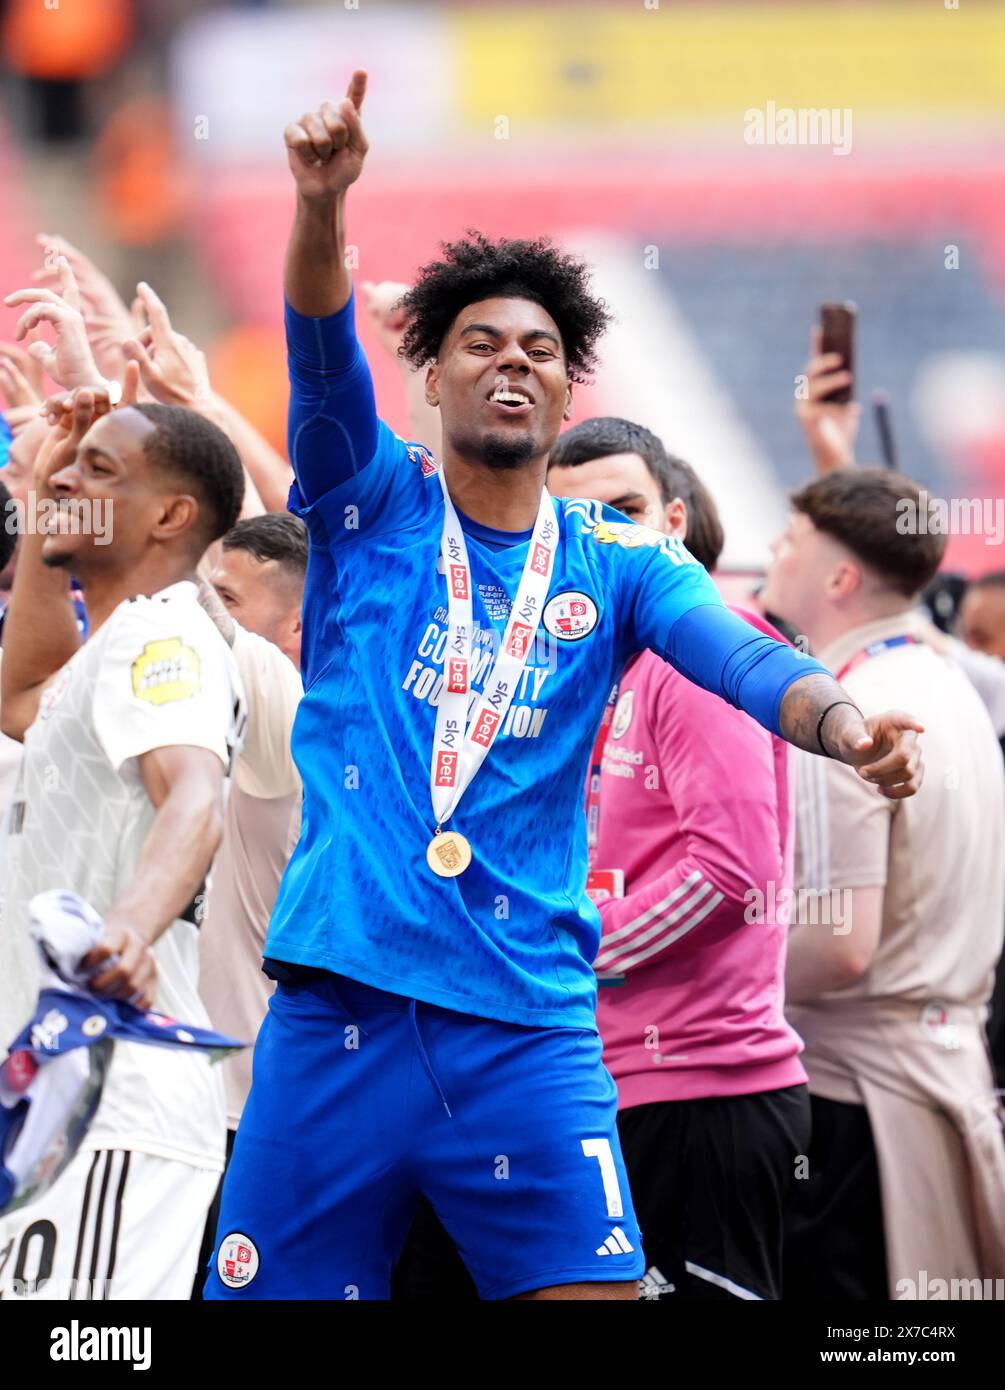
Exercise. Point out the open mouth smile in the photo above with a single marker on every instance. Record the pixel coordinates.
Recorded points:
(511, 400)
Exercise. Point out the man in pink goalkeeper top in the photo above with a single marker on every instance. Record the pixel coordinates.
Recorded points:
(694, 812)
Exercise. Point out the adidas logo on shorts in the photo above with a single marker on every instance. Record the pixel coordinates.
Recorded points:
(617, 1243)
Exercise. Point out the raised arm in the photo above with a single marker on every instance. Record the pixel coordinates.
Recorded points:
(333, 426)
(830, 427)
(326, 149)
(174, 371)
(40, 630)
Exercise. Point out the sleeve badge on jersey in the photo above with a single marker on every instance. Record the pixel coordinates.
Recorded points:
(630, 536)
(166, 671)
(627, 534)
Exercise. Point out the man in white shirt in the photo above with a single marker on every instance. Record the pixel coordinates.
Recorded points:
(891, 999)
(17, 955)
(129, 742)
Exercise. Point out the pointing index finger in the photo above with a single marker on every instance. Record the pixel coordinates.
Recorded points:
(156, 309)
(356, 90)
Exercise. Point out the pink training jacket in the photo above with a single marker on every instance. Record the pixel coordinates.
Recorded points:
(695, 808)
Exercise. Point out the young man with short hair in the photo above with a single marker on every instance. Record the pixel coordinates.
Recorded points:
(433, 944)
(888, 982)
(129, 741)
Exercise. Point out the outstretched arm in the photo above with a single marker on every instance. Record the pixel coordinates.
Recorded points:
(818, 714)
(174, 371)
(794, 696)
(678, 613)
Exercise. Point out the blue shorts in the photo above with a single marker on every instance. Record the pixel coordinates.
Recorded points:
(362, 1100)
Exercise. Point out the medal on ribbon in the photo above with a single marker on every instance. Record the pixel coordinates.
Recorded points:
(460, 744)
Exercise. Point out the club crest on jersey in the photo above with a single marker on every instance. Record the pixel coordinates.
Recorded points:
(237, 1260)
(570, 616)
(418, 453)
(165, 671)
(623, 712)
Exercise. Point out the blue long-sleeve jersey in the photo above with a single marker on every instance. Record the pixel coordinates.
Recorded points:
(514, 936)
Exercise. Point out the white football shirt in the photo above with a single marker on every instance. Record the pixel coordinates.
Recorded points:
(157, 674)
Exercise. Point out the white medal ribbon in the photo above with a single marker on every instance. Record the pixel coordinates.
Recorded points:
(460, 747)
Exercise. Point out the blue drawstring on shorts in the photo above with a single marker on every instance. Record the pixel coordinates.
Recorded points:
(427, 1064)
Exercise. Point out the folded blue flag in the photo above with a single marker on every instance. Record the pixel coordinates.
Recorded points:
(52, 1078)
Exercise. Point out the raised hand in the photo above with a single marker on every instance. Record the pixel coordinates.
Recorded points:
(830, 428)
(326, 148)
(21, 377)
(107, 318)
(70, 362)
(70, 417)
(173, 369)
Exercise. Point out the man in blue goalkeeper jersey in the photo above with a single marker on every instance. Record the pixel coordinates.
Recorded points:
(433, 1029)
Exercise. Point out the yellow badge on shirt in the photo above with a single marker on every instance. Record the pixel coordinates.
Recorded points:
(630, 536)
(166, 671)
(626, 533)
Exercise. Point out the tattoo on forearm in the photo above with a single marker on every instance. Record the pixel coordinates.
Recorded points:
(803, 704)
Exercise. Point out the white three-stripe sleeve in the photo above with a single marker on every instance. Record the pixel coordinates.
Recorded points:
(680, 911)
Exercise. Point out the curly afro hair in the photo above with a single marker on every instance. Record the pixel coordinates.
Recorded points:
(477, 268)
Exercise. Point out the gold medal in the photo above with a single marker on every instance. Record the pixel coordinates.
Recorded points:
(448, 853)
